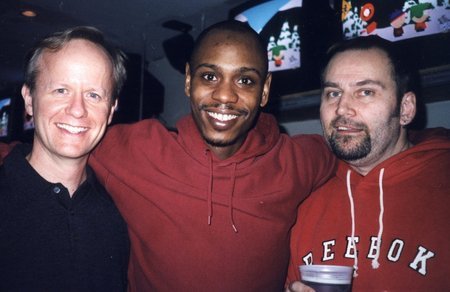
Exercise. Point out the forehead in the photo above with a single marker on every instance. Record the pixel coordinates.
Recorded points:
(78, 51)
(78, 61)
(365, 64)
(220, 47)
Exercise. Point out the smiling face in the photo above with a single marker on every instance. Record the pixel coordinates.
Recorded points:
(359, 111)
(227, 84)
(71, 103)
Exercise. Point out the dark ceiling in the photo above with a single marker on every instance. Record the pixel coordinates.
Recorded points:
(134, 25)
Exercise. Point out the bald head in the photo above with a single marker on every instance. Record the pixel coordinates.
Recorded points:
(231, 31)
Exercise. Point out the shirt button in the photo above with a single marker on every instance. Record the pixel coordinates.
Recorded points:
(56, 190)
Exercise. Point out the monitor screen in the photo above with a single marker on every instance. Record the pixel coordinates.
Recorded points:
(420, 28)
(395, 20)
(297, 34)
(5, 114)
(278, 23)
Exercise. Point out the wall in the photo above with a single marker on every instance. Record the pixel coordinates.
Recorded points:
(176, 103)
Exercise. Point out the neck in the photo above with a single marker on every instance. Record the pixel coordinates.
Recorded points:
(69, 172)
(223, 152)
(365, 165)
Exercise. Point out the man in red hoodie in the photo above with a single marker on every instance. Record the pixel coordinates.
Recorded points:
(210, 206)
(386, 211)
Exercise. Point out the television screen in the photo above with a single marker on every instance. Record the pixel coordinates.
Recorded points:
(395, 20)
(297, 34)
(420, 28)
(5, 113)
(278, 23)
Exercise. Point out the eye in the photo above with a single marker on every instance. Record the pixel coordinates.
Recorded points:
(209, 77)
(333, 94)
(93, 96)
(245, 81)
(366, 93)
(61, 91)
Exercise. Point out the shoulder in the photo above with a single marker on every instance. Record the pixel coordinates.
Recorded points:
(309, 139)
(142, 128)
(308, 147)
(430, 134)
(122, 138)
(312, 144)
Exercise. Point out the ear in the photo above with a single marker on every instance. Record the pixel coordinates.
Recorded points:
(28, 99)
(112, 111)
(266, 90)
(407, 108)
(187, 81)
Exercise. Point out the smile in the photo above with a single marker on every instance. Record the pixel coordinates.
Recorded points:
(72, 129)
(222, 117)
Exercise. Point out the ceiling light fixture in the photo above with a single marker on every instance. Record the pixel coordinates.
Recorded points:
(29, 13)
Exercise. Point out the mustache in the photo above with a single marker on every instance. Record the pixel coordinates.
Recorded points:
(344, 122)
(222, 106)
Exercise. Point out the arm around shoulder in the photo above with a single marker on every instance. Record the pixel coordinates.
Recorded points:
(319, 161)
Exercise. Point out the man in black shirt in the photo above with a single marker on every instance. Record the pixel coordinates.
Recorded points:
(59, 229)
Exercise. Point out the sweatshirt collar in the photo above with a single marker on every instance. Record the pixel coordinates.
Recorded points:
(259, 140)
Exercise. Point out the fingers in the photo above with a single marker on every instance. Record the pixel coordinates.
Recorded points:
(298, 286)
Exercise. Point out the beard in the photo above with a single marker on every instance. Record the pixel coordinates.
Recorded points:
(353, 148)
(342, 148)
(220, 143)
(348, 147)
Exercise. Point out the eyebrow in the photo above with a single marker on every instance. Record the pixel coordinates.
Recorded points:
(371, 82)
(359, 83)
(241, 69)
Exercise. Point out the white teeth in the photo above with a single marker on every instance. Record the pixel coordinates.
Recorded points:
(222, 117)
(342, 128)
(72, 129)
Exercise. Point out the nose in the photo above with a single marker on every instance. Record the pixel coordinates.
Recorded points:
(77, 106)
(345, 106)
(225, 93)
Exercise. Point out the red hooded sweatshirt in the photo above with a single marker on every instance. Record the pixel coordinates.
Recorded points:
(198, 223)
(404, 201)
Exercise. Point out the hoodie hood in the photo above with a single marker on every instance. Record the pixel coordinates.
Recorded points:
(427, 144)
(260, 139)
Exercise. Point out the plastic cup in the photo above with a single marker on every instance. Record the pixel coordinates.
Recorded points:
(327, 278)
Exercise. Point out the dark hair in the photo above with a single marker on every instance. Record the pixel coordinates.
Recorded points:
(236, 27)
(58, 40)
(401, 70)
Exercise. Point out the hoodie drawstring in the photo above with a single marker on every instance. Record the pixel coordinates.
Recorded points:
(210, 189)
(375, 263)
(352, 212)
(230, 204)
